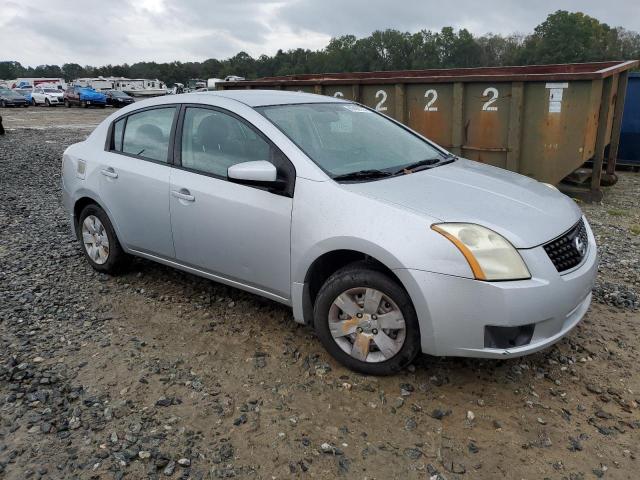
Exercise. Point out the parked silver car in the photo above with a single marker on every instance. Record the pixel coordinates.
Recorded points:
(385, 243)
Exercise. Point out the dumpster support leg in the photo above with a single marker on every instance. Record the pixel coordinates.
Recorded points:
(617, 123)
(601, 136)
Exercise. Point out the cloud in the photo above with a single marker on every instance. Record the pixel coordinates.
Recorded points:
(96, 32)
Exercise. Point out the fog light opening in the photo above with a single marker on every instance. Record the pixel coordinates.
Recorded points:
(508, 337)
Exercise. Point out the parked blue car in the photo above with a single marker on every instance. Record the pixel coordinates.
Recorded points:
(25, 92)
(84, 97)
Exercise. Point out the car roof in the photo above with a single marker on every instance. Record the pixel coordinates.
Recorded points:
(261, 98)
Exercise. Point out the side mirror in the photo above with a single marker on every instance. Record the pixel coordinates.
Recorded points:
(259, 173)
(256, 172)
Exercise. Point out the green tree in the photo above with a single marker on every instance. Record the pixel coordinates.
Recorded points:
(11, 70)
(566, 37)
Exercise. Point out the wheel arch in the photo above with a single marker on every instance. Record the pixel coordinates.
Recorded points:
(326, 264)
(84, 199)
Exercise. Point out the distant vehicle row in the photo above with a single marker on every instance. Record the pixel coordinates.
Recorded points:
(51, 97)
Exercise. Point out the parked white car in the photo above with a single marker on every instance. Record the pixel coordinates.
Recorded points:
(46, 96)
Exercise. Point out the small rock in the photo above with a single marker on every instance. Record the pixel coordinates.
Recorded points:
(412, 453)
(439, 414)
(330, 449)
(410, 424)
(168, 470)
(74, 423)
(240, 420)
(594, 388)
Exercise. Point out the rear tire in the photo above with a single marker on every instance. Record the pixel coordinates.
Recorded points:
(381, 356)
(92, 229)
(67, 103)
(33, 102)
(3, 104)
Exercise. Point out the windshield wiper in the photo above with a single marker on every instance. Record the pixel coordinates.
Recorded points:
(362, 174)
(429, 162)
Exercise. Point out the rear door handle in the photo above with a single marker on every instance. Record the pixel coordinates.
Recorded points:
(109, 172)
(183, 194)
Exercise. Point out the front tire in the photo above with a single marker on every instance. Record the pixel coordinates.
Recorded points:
(98, 240)
(33, 102)
(47, 102)
(67, 103)
(366, 320)
(3, 104)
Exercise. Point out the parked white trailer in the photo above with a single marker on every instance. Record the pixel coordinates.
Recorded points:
(29, 83)
(98, 84)
(212, 82)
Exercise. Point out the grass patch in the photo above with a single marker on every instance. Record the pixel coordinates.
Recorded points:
(618, 213)
(635, 229)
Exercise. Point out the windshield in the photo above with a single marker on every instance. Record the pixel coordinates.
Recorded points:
(9, 93)
(344, 138)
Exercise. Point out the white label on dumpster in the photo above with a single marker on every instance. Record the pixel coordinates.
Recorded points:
(557, 85)
(555, 96)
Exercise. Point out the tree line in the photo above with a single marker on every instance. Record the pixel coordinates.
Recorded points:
(564, 37)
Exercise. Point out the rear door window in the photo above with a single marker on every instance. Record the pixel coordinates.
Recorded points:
(146, 134)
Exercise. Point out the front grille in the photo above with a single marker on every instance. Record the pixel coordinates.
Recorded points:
(568, 250)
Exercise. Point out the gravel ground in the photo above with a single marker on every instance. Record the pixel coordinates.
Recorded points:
(160, 374)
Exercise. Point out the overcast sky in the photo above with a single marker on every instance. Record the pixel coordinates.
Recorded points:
(98, 32)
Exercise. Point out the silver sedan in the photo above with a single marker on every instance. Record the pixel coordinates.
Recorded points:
(383, 242)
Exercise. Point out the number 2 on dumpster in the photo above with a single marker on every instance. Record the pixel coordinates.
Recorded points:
(493, 93)
(383, 98)
(433, 96)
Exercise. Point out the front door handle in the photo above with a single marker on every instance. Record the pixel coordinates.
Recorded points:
(109, 172)
(183, 194)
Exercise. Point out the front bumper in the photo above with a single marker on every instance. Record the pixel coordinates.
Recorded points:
(15, 103)
(454, 312)
(90, 101)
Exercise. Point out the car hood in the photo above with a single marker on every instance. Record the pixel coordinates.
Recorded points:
(525, 211)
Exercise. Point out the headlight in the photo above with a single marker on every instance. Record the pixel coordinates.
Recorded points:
(490, 256)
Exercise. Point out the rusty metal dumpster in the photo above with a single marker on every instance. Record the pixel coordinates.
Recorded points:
(544, 121)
